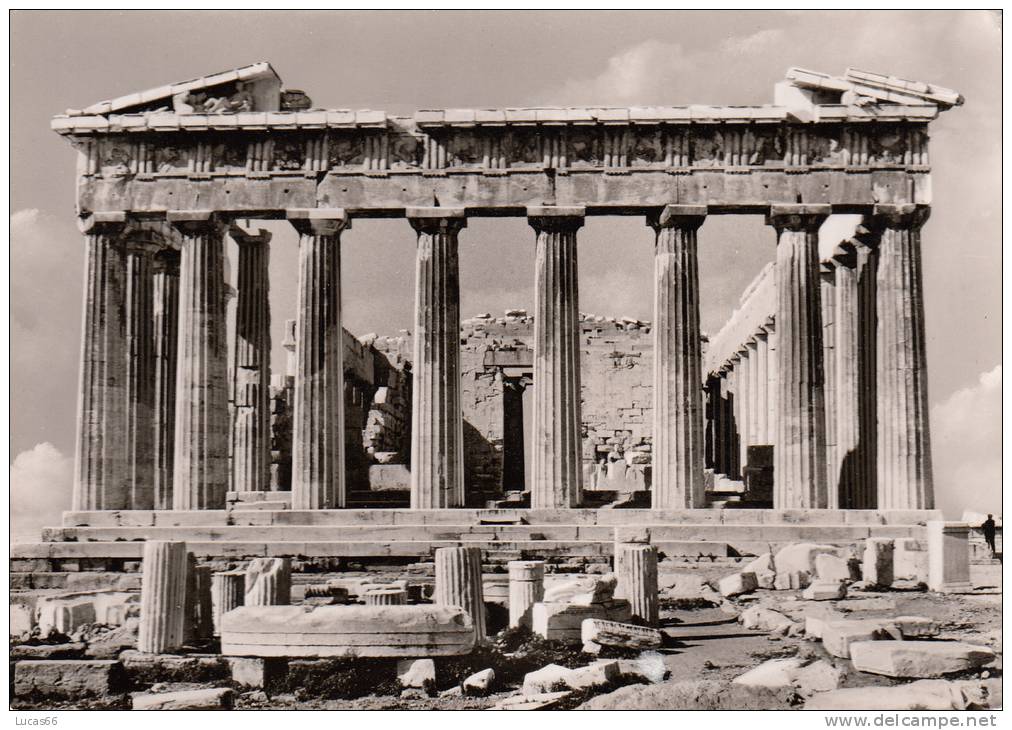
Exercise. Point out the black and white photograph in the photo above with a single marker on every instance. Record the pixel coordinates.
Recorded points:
(415, 360)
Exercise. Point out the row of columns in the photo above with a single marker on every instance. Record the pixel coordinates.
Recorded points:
(129, 394)
(842, 380)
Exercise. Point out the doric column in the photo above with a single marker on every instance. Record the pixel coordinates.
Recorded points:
(678, 399)
(743, 397)
(139, 426)
(200, 463)
(734, 414)
(904, 442)
(318, 429)
(866, 480)
(437, 424)
(100, 468)
(556, 479)
(827, 304)
(527, 587)
(636, 573)
(725, 430)
(712, 422)
(165, 287)
(847, 392)
(800, 453)
(251, 438)
(762, 355)
(772, 382)
(228, 591)
(459, 583)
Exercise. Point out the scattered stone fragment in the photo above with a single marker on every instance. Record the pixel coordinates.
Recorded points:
(737, 583)
(694, 695)
(831, 568)
(554, 678)
(544, 701)
(613, 633)
(479, 684)
(837, 636)
(924, 694)
(418, 673)
(70, 650)
(563, 621)
(257, 672)
(825, 591)
(919, 659)
(819, 676)
(414, 693)
(647, 667)
(67, 678)
(195, 699)
(172, 667)
(582, 591)
(762, 569)
(773, 673)
(765, 619)
(795, 564)
(877, 568)
(108, 644)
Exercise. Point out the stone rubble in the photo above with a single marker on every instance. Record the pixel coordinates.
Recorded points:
(194, 699)
(918, 659)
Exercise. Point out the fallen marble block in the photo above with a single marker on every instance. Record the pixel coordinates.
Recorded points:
(613, 633)
(822, 590)
(766, 619)
(737, 583)
(564, 621)
(478, 684)
(832, 568)
(554, 678)
(837, 636)
(347, 631)
(762, 569)
(68, 678)
(924, 694)
(582, 591)
(795, 564)
(417, 673)
(545, 701)
(192, 699)
(921, 659)
(65, 612)
(71, 650)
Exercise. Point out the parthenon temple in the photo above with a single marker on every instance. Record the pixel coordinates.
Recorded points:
(812, 398)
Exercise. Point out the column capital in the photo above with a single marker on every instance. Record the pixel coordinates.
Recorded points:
(436, 220)
(686, 217)
(550, 218)
(140, 246)
(909, 216)
(103, 223)
(196, 221)
(799, 218)
(318, 221)
(246, 235)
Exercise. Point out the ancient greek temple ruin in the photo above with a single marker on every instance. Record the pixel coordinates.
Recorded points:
(820, 375)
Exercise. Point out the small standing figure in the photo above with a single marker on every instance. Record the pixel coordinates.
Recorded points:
(988, 528)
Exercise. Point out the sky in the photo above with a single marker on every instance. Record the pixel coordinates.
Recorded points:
(402, 61)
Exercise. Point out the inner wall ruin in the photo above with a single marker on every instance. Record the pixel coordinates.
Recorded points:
(496, 361)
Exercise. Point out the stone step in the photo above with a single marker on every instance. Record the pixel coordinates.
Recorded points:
(610, 517)
(133, 550)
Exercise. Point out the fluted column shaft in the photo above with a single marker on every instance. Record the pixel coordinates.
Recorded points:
(762, 355)
(437, 424)
(678, 439)
(827, 304)
(200, 461)
(459, 583)
(318, 430)
(100, 467)
(725, 432)
(772, 383)
(556, 478)
(800, 453)
(251, 438)
(866, 496)
(636, 573)
(163, 596)
(904, 440)
(743, 397)
(139, 426)
(527, 587)
(165, 313)
(734, 415)
(228, 591)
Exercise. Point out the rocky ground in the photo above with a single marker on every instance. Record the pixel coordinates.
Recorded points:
(708, 641)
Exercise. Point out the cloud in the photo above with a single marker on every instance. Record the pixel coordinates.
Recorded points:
(41, 487)
(966, 445)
